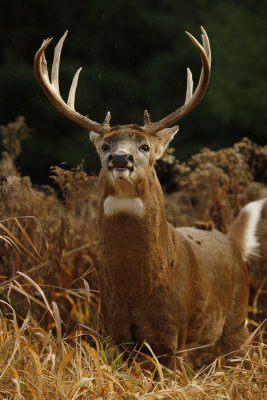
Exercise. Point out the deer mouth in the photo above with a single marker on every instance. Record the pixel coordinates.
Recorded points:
(121, 172)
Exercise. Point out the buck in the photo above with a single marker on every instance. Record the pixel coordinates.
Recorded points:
(175, 288)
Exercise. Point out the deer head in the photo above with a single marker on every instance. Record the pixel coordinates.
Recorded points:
(126, 151)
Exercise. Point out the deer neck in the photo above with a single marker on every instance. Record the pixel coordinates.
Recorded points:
(133, 217)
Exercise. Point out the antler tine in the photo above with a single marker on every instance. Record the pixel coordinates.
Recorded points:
(56, 62)
(72, 92)
(192, 98)
(51, 89)
(107, 119)
(146, 117)
(55, 73)
(206, 43)
(189, 86)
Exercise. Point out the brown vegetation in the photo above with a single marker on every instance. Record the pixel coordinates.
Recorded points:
(50, 334)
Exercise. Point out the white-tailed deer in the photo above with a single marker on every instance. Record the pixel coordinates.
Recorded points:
(175, 288)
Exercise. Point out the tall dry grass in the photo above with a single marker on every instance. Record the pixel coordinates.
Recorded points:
(35, 364)
(51, 343)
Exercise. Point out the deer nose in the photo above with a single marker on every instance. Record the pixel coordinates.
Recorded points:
(121, 160)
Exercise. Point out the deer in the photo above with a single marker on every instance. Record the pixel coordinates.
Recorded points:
(173, 288)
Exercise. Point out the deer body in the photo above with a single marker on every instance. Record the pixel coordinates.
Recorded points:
(173, 288)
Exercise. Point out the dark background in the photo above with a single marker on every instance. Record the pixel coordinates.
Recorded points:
(134, 56)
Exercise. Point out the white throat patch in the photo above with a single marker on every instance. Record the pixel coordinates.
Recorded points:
(114, 205)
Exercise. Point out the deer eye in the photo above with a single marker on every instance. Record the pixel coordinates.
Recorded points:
(105, 147)
(145, 148)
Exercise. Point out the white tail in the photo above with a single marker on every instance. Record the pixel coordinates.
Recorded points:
(244, 229)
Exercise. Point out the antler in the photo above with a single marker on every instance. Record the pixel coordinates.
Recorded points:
(51, 88)
(191, 99)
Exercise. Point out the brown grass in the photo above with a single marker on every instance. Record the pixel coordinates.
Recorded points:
(38, 365)
(51, 343)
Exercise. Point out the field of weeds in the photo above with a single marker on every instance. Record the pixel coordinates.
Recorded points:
(51, 342)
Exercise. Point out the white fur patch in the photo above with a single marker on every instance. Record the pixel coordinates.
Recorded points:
(114, 205)
(251, 243)
(122, 173)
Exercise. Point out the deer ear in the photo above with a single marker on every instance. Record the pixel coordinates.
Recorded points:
(164, 138)
(93, 137)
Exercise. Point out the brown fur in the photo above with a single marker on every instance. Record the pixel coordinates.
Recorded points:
(174, 288)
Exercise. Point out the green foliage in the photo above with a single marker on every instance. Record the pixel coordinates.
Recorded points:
(238, 78)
